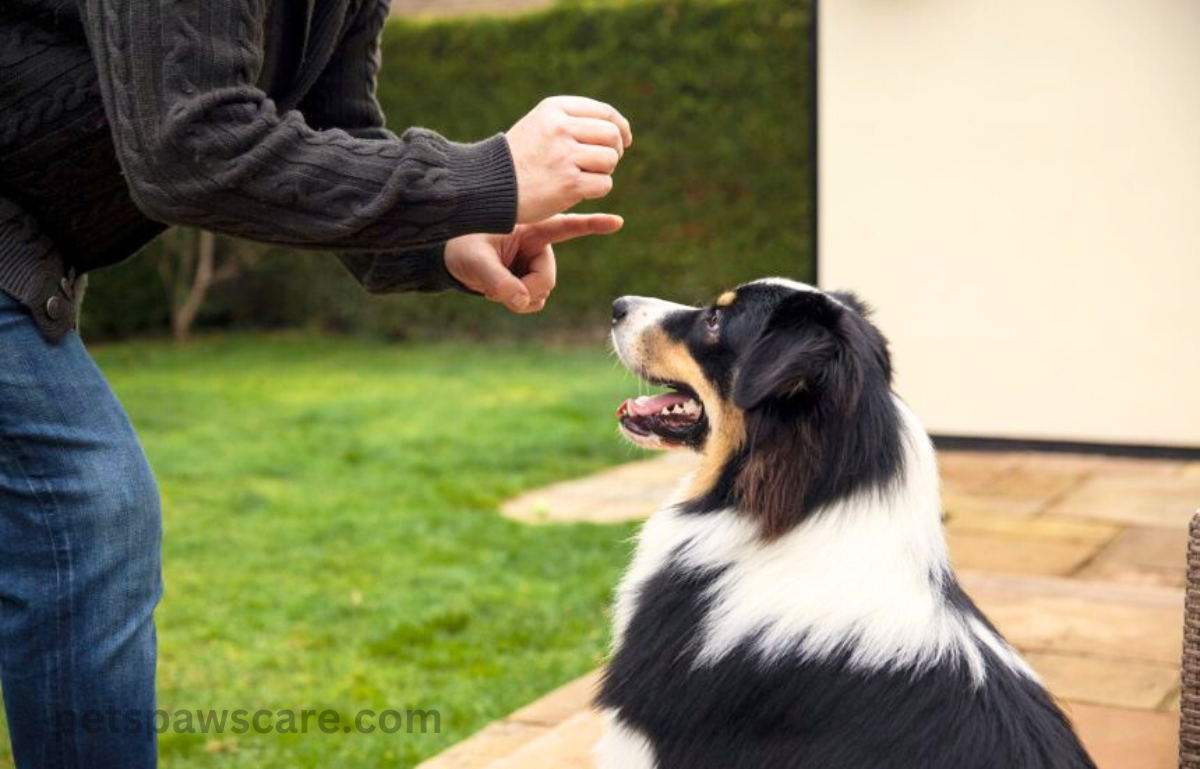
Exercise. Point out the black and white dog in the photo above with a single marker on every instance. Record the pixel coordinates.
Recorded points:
(794, 607)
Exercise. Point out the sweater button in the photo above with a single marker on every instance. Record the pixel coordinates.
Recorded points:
(54, 308)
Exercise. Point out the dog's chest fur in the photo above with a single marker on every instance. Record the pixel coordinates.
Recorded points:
(843, 643)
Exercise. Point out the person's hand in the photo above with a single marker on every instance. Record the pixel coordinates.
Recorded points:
(565, 151)
(518, 269)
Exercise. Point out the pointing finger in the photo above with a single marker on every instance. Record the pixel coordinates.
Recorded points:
(564, 227)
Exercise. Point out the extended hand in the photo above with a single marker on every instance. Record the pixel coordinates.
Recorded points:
(518, 269)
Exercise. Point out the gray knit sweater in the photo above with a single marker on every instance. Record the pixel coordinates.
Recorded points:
(255, 118)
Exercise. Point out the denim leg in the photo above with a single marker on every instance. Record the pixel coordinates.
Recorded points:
(80, 558)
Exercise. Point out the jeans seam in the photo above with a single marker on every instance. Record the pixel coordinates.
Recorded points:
(69, 748)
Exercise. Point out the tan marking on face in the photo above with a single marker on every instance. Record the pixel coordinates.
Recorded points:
(726, 299)
(668, 359)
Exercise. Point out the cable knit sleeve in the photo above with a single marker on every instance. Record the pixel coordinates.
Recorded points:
(201, 145)
(344, 97)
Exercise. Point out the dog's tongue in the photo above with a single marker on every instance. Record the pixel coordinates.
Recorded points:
(650, 404)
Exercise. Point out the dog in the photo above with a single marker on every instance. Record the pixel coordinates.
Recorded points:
(793, 606)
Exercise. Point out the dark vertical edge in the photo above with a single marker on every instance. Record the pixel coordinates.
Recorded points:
(814, 133)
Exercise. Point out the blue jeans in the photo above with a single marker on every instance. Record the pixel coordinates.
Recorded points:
(80, 559)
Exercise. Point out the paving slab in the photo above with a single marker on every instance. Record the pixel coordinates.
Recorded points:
(1088, 619)
(1018, 555)
(561, 704)
(1120, 738)
(568, 746)
(494, 742)
(1150, 499)
(1142, 555)
(1098, 533)
(1003, 543)
(624, 493)
(504, 737)
(1119, 683)
(1095, 464)
(957, 502)
(1032, 480)
(973, 470)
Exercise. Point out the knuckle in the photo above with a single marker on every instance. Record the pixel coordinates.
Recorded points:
(603, 187)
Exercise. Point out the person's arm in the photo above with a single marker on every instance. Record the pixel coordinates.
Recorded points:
(518, 270)
(201, 145)
(343, 97)
(390, 272)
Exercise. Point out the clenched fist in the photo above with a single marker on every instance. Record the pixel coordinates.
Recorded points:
(565, 151)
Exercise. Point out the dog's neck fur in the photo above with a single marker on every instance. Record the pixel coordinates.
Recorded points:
(867, 574)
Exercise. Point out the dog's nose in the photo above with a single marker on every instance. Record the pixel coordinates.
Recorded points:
(620, 309)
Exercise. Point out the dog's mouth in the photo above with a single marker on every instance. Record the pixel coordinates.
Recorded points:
(674, 418)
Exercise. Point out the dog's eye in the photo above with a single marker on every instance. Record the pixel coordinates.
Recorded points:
(713, 320)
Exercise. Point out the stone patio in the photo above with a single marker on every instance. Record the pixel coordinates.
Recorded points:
(1079, 560)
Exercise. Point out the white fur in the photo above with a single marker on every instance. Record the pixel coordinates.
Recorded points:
(855, 577)
(622, 746)
(643, 313)
(795, 285)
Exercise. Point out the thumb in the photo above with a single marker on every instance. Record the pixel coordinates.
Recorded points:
(500, 285)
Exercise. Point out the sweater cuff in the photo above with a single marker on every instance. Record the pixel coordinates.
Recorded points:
(485, 185)
(420, 269)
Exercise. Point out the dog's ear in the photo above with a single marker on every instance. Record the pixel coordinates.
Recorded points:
(853, 301)
(800, 351)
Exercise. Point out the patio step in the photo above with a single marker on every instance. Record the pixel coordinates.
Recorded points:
(536, 724)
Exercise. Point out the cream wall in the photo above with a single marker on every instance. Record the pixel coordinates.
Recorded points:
(1015, 184)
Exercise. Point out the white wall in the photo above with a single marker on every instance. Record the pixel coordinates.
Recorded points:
(1015, 184)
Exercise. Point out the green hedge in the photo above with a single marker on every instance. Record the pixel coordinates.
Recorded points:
(715, 190)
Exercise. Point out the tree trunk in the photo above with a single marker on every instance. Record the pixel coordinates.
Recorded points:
(184, 311)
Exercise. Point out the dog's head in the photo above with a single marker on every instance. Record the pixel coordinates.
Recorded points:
(784, 389)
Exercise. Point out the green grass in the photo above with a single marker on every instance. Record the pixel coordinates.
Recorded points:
(332, 538)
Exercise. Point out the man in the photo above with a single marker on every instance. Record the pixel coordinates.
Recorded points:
(255, 118)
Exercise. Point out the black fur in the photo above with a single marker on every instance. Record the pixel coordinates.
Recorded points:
(814, 379)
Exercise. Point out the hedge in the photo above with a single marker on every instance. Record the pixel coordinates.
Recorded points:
(715, 190)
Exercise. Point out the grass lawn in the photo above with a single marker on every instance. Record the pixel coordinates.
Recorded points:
(332, 539)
